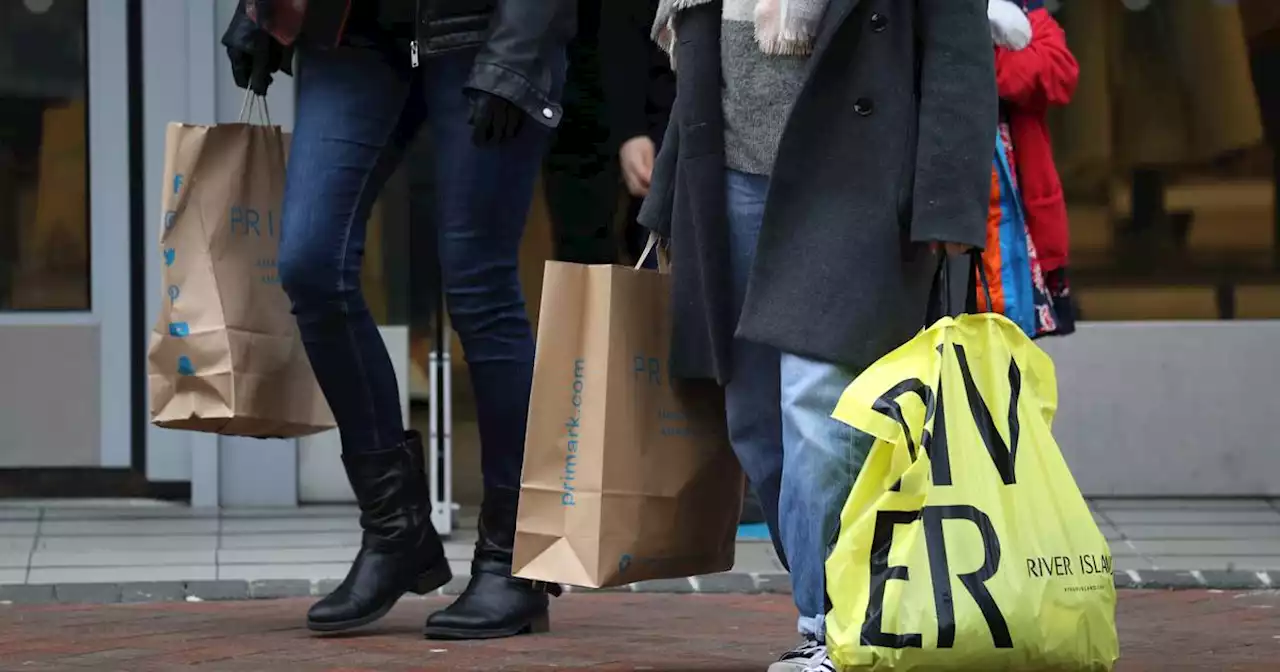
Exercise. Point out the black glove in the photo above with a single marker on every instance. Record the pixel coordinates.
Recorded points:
(494, 119)
(254, 56)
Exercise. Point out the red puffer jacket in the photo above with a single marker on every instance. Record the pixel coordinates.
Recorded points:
(1029, 81)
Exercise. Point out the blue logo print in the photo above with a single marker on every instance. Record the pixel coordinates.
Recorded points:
(179, 329)
(170, 218)
(185, 367)
(177, 183)
(174, 292)
(169, 255)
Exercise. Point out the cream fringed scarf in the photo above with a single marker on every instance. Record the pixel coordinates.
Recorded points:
(783, 27)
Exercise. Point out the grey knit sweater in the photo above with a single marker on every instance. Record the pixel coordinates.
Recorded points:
(758, 91)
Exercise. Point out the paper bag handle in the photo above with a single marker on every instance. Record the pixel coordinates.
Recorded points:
(654, 245)
(253, 102)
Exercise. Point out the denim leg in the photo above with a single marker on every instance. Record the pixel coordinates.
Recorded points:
(483, 197)
(752, 401)
(355, 113)
(822, 457)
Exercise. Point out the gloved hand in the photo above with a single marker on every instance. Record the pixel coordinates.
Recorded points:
(494, 119)
(1010, 27)
(254, 56)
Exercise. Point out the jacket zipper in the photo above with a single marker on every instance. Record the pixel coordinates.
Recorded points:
(417, 26)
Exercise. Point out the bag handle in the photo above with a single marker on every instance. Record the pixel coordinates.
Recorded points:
(655, 246)
(941, 301)
(253, 102)
(976, 257)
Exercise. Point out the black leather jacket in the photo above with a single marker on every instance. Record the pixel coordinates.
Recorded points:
(520, 42)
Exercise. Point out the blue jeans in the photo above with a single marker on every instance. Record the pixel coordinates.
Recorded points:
(801, 461)
(357, 111)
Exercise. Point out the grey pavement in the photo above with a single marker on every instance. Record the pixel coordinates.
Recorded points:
(78, 551)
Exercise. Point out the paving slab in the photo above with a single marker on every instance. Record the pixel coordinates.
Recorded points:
(1109, 532)
(23, 594)
(1123, 517)
(289, 540)
(1181, 504)
(1126, 562)
(117, 575)
(131, 528)
(291, 524)
(153, 591)
(308, 511)
(266, 556)
(17, 544)
(88, 593)
(1208, 547)
(217, 590)
(93, 544)
(266, 590)
(110, 512)
(14, 559)
(454, 550)
(122, 558)
(1226, 531)
(21, 528)
(313, 571)
(1209, 562)
(756, 557)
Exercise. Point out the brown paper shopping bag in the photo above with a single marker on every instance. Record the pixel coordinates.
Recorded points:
(225, 354)
(628, 475)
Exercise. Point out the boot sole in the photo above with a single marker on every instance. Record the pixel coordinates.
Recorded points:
(427, 582)
(538, 625)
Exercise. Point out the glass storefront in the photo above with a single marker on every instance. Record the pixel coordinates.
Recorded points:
(1164, 155)
(67, 154)
(1170, 178)
(44, 223)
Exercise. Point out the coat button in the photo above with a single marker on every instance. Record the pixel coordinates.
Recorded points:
(879, 22)
(863, 106)
(548, 112)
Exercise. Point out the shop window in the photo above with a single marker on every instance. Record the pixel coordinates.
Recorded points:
(44, 199)
(1167, 154)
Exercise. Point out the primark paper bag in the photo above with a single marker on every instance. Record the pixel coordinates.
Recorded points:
(628, 475)
(225, 354)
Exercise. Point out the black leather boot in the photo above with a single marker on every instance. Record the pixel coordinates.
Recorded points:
(400, 551)
(495, 604)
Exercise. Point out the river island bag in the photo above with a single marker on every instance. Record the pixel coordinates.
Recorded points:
(628, 475)
(965, 543)
(225, 355)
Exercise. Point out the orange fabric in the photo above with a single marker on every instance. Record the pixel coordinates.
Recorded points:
(992, 256)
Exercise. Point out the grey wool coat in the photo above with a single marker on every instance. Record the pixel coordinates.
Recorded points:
(888, 147)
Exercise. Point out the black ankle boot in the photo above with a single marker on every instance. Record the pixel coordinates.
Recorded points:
(495, 604)
(400, 551)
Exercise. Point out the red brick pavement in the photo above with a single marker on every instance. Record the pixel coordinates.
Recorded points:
(1160, 631)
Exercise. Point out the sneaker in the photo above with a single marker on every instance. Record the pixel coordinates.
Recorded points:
(804, 656)
(821, 664)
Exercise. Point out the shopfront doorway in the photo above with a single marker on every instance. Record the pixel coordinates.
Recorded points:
(67, 347)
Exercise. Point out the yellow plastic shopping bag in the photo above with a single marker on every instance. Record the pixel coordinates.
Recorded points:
(965, 543)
